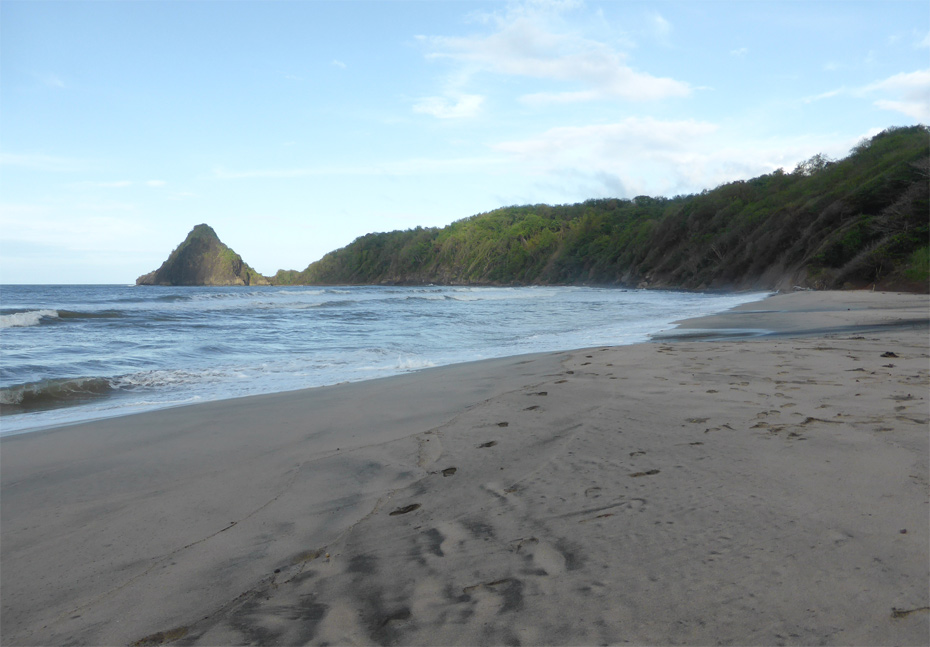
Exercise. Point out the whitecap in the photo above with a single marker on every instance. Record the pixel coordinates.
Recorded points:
(25, 319)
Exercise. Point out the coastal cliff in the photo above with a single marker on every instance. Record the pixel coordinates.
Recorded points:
(203, 259)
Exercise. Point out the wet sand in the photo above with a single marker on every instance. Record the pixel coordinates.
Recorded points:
(758, 490)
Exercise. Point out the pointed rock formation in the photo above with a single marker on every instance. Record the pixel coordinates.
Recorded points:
(202, 259)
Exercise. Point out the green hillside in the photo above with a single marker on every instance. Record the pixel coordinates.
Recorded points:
(828, 224)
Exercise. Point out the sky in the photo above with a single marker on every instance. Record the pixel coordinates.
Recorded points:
(294, 127)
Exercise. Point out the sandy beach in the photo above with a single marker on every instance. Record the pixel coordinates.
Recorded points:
(716, 486)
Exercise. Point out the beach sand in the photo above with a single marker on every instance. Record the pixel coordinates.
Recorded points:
(746, 491)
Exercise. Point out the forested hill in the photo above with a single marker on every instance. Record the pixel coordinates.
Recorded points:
(828, 224)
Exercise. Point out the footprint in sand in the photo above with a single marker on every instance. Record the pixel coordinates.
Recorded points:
(428, 451)
(549, 559)
(405, 509)
(449, 471)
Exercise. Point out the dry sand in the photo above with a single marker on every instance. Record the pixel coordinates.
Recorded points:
(764, 491)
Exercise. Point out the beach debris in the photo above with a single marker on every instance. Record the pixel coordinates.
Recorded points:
(405, 509)
(646, 473)
(506, 580)
(903, 613)
(889, 354)
(600, 516)
(503, 424)
(517, 544)
(162, 637)
(490, 443)
(306, 556)
(449, 471)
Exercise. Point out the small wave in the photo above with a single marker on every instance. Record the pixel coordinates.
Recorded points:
(64, 392)
(104, 314)
(47, 394)
(433, 297)
(25, 319)
(413, 363)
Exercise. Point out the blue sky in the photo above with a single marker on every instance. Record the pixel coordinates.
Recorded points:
(294, 127)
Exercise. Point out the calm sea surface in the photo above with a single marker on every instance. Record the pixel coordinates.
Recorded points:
(71, 353)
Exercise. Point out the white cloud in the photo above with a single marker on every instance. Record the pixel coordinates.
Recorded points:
(661, 28)
(925, 42)
(40, 162)
(52, 81)
(907, 92)
(117, 184)
(739, 53)
(643, 134)
(338, 63)
(408, 167)
(526, 44)
(647, 156)
(78, 227)
(825, 95)
(454, 107)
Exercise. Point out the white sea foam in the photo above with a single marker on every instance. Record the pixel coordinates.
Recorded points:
(413, 363)
(25, 319)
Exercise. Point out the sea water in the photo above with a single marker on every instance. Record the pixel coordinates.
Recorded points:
(70, 353)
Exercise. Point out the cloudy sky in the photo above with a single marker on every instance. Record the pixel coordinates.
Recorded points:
(294, 127)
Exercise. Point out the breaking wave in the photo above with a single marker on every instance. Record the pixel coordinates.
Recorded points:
(25, 319)
(49, 394)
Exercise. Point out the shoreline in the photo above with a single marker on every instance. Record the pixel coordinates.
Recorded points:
(736, 490)
(393, 347)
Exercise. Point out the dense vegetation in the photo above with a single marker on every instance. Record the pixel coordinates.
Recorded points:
(854, 222)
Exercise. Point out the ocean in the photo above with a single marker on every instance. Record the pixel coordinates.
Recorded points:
(71, 353)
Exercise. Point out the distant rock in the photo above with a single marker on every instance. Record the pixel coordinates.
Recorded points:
(202, 259)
